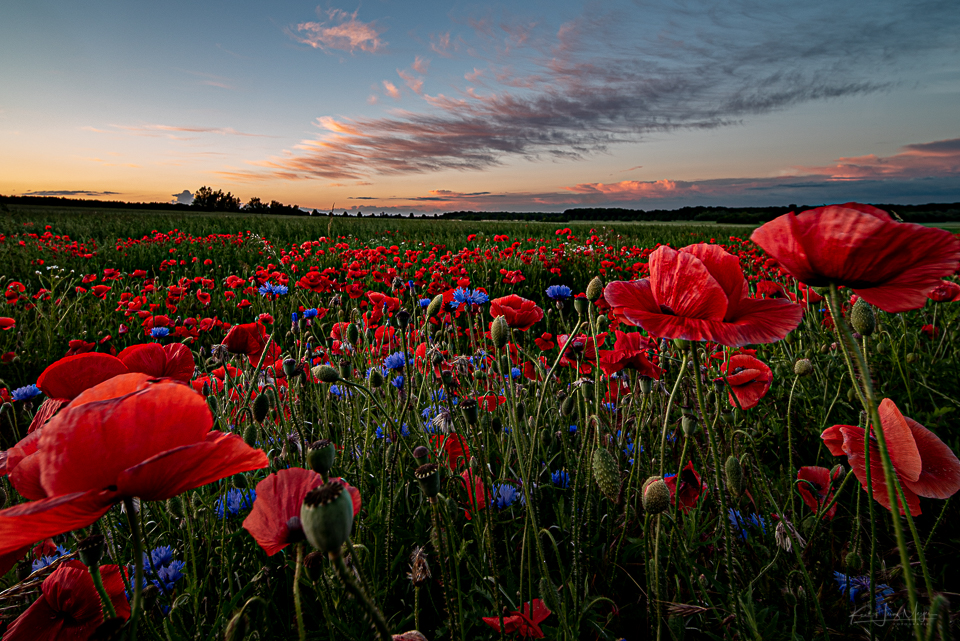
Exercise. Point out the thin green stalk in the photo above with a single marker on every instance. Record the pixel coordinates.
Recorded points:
(108, 610)
(137, 604)
(353, 588)
(301, 631)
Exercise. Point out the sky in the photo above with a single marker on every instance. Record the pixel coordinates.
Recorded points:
(394, 106)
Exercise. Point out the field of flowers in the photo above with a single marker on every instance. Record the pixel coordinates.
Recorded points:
(249, 427)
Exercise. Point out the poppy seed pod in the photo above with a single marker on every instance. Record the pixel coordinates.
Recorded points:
(291, 368)
(345, 368)
(863, 318)
(607, 474)
(656, 495)
(91, 549)
(327, 517)
(602, 323)
(568, 405)
(469, 409)
(428, 476)
(803, 367)
(421, 453)
(689, 424)
(646, 384)
(353, 333)
(681, 344)
(499, 331)
(435, 305)
(594, 289)
(853, 561)
(734, 474)
(325, 374)
(403, 318)
(261, 405)
(320, 456)
(581, 305)
(376, 378)
(250, 435)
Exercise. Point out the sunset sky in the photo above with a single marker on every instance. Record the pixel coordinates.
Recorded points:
(436, 106)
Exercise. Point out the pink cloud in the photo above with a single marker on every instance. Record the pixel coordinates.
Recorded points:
(440, 44)
(415, 84)
(626, 190)
(939, 158)
(391, 90)
(340, 31)
(420, 65)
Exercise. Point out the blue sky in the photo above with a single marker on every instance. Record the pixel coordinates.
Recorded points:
(538, 106)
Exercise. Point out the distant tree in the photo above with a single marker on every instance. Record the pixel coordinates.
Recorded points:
(255, 206)
(206, 198)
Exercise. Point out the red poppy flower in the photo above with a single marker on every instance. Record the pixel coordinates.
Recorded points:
(491, 402)
(749, 380)
(279, 497)
(66, 378)
(171, 361)
(69, 605)
(477, 495)
(946, 291)
(7, 323)
(454, 446)
(922, 462)
(891, 265)
(770, 289)
(250, 339)
(78, 346)
(813, 482)
(526, 622)
(150, 439)
(691, 487)
(629, 352)
(520, 313)
(545, 341)
(699, 293)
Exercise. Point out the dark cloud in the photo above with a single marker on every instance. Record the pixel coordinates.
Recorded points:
(70, 192)
(615, 76)
(185, 197)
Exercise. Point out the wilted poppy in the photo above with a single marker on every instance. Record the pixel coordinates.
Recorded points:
(519, 312)
(168, 361)
(922, 462)
(629, 352)
(813, 482)
(892, 265)
(149, 439)
(690, 490)
(279, 497)
(69, 605)
(526, 622)
(699, 293)
(946, 292)
(749, 380)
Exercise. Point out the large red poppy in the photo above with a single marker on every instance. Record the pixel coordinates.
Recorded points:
(891, 265)
(250, 339)
(279, 497)
(922, 462)
(171, 361)
(149, 439)
(520, 313)
(690, 490)
(629, 352)
(526, 622)
(813, 482)
(69, 605)
(749, 380)
(699, 293)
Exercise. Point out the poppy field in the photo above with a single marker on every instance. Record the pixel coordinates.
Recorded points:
(241, 427)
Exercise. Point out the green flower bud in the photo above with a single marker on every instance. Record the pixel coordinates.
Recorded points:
(434, 307)
(734, 474)
(863, 318)
(655, 495)
(353, 333)
(803, 367)
(175, 507)
(421, 454)
(291, 368)
(646, 384)
(911, 358)
(548, 593)
(581, 304)
(320, 456)
(325, 374)
(602, 323)
(595, 289)
(376, 377)
(403, 318)
(521, 411)
(261, 406)
(213, 405)
(499, 331)
(569, 405)
(681, 344)
(607, 474)
(428, 475)
(327, 517)
(250, 435)
(689, 424)
(346, 369)
(853, 561)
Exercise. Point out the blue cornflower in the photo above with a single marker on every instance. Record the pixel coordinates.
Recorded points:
(478, 298)
(168, 575)
(339, 391)
(461, 295)
(573, 429)
(269, 289)
(310, 313)
(610, 407)
(397, 382)
(424, 303)
(395, 361)
(515, 372)
(294, 318)
(741, 523)
(44, 561)
(503, 496)
(159, 332)
(25, 393)
(379, 433)
(236, 500)
(856, 586)
(559, 292)
(160, 557)
(561, 478)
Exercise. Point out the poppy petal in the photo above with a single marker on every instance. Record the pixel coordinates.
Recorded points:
(940, 476)
(71, 375)
(27, 523)
(900, 441)
(279, 497)
(833, 439)
(627, 297)
(725, 268)
(10, 559)
(684, 284)
(25, 477)
(47, 410)
(183, 468)
(853, 447)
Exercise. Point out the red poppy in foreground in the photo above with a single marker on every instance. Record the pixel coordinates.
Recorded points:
(749, 380)
(946, 292)
(691, 487)
(168, 361)
(891, 265)
(629, 352)
(526, 622)
(699, 293)
(69, 606)
(813, 482)
(279, 497)
(924, 465)
(520, 313)
(131, 436)
(65, 379)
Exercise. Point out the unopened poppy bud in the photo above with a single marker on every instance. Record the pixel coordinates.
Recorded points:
(261, 406)
(325, 374)
(496, 424)
(546, 438)
(587, 390)
(681, 344)
(205, 390)
(240, 482)
(646, 384)
(689, 424)
(521, 411)
(421, 453)
(345, 368)
(655, 495)
(353, 333)
(479, 375)
(734, 473)
(376, 378)
(606, 474)
(213, 404)
(91, 549)
(313, 564)
(320, 456)
(499, 331)
(435, 305)
(548, 593)
(291, 368)
(853, 561)
(911, 357)
(250, 435)
(568, 405)
(403, 318)
(581, 304)
(594, 289)
(837, 471)
(470, 412)
(602, 323)
(863, 318)
(803, 367)
(428, 476)
(327, 517)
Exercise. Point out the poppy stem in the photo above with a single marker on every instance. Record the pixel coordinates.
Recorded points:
(790, 467)
(138, 565)
(296, 593)
(666, 414)
(351, 584)
(108, 610)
